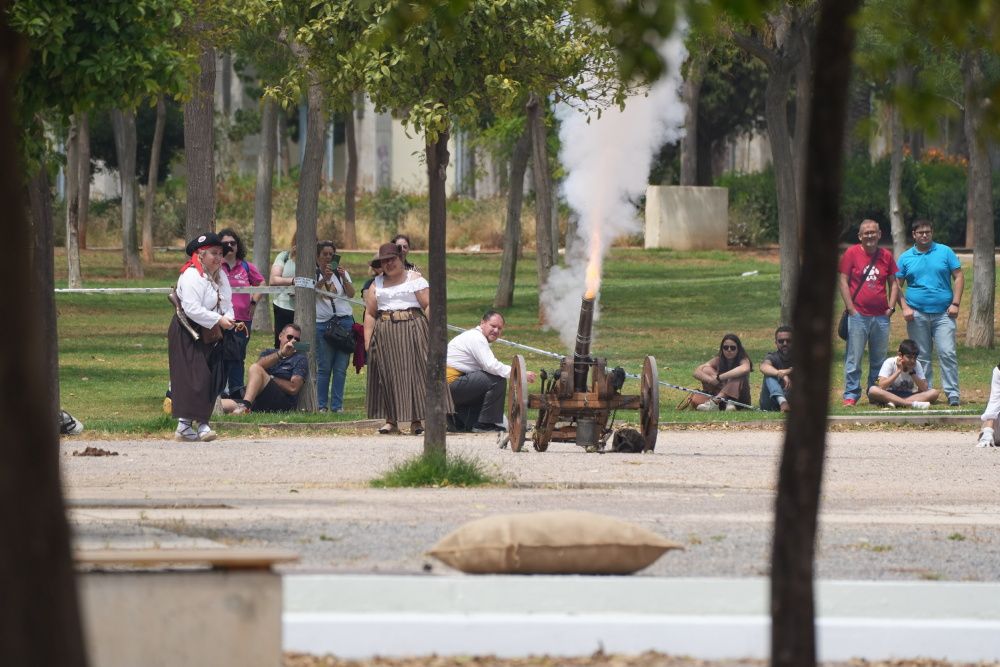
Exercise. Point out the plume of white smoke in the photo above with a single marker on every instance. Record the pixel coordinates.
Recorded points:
(607, 161)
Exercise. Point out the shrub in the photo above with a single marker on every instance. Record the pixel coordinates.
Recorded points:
(753, 208)
(435, 469)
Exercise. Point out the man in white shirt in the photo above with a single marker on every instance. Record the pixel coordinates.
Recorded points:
(476, 379)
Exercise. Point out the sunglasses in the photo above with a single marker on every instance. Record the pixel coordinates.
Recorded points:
(291, 337)
(230, 245)
(783, 341)
(729, 348)
(923, 232)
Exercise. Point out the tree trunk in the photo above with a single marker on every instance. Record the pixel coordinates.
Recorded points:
(776, 114)
(504, 297)
(199, 146)
(74, 277)
(83, 177)
(154, 174)
(39, 617)
(123, 127)
(306, 212)
(42, 270)
(800, 476)
(351, 181)
(285, 142)
(690, 93)
(803, 102)
(437, 352)
(262, 204)
(979, 202)
(544, 250)
(896, 224)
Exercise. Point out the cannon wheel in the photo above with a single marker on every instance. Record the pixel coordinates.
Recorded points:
(517, 403)
(649, 394)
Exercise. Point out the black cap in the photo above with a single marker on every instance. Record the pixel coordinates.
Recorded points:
(202, 241)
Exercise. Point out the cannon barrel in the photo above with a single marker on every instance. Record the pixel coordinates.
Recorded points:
(581, 355)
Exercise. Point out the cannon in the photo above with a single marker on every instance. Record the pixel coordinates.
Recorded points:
(578, 403)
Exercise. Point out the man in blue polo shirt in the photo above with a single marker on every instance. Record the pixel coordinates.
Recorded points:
(931, 303)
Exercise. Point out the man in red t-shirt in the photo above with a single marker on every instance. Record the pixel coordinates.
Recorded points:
(869, 307)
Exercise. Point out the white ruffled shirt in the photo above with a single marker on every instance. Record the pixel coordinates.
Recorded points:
(470, 351)
(398, 297)
(204, 301)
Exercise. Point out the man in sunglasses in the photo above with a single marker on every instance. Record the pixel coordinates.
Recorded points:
(931, 303)
(777, 370)
(275, 379)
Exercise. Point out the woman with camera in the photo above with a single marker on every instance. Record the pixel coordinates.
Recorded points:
(194, 345)
(334, 322)
(240, 273)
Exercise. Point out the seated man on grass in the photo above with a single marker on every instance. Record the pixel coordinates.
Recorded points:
(275, 379)
(901, 381)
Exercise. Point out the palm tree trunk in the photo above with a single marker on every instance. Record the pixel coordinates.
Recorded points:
(153, 173)
(691, 92)
(437, 353)
(776, 113)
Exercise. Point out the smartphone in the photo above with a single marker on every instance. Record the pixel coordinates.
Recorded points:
(301, 346)
(335, 262)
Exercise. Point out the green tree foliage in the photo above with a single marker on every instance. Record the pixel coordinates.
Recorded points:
(98, 55)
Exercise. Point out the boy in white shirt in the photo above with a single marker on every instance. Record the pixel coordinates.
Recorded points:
(901, 381)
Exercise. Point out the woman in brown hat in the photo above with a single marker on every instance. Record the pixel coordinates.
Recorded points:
(196, 369)
(396, 341)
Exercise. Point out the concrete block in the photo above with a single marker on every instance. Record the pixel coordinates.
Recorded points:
(682, 217)
(182, 618)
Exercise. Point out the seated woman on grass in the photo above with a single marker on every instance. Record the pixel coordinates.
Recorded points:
(726, 376)
(901, 381)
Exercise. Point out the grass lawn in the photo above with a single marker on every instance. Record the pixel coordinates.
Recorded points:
(672, 305)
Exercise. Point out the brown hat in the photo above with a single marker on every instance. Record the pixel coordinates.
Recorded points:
(385, 251)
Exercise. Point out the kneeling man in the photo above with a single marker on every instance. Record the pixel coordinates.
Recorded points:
(476, 379)
(275, 379)
(901, 381)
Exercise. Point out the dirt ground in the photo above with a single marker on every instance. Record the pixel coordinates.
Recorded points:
(914, 504)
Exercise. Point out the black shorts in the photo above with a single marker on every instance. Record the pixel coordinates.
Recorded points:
(272, 399)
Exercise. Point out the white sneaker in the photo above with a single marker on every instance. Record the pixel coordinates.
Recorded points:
(730, 407)
(206, 434)
(986, 438)
(890, 405)
(920, 405)
(185, 432)
(708, 406)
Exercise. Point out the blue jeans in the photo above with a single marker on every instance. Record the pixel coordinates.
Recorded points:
(936, 332)
(873, 332)
(233, 368)
(770, 393)
(331, 363)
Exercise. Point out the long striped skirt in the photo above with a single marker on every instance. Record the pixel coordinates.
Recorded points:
(397, 364)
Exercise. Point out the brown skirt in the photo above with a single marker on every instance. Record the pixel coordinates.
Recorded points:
(397, 365)
(196, 374)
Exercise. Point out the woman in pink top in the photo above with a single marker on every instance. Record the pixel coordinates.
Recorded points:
(241, 273)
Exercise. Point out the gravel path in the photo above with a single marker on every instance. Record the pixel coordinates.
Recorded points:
(916, 504)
